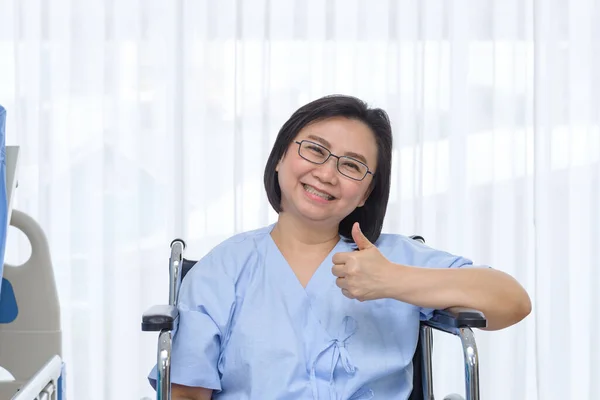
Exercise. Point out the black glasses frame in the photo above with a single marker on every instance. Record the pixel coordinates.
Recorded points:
(299, 143)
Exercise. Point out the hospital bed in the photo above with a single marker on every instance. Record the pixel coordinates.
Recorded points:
(163, 319)
(30, 331)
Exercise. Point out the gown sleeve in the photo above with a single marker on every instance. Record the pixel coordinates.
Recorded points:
(206, 304)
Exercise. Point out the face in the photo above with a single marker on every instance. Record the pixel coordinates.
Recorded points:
(319, 192)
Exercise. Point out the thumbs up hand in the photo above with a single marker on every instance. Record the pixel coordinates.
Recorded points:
(363, 274)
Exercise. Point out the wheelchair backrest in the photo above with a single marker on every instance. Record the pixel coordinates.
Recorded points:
(187, 265)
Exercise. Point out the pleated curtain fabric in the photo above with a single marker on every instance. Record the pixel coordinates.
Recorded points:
(142, 121)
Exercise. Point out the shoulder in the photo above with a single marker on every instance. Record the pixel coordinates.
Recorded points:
(407, 250)
(241, 244)
(234, 253)
(391, 243)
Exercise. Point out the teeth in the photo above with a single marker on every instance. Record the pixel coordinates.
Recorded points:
(314, 191)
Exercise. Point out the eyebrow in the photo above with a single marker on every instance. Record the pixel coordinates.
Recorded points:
(347, 154)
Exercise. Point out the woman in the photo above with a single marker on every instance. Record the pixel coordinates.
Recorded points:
(321, 305)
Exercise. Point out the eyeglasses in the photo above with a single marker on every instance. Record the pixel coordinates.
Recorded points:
(347, 166)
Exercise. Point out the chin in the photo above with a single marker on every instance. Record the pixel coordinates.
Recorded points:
(318, 215)
(314, 215)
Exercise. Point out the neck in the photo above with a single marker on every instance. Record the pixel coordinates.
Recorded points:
(293, 234)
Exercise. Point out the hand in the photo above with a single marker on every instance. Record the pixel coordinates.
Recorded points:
(362, 274)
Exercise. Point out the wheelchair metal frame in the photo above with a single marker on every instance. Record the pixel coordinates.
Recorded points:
(470, 355)
(163, 385)
(456, 322)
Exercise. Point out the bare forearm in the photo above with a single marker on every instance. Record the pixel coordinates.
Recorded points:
(189, 398)
(204, 397)
(499, 296)
(200, 397)
(180, 392)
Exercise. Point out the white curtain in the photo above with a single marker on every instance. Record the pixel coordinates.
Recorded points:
(141, 121)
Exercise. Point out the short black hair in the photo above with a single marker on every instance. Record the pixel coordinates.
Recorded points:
(371, 215)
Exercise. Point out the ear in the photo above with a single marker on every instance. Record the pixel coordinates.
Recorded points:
(279, 163)
(366, 196)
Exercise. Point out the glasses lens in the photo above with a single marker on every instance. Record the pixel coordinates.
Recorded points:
(352, 168)
(314, 152)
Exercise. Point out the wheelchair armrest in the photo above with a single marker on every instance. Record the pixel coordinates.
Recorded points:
(450, 320)
(160, 317)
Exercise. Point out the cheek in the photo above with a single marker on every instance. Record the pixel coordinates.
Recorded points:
(355, 193)
(289, 172)
(294, 168)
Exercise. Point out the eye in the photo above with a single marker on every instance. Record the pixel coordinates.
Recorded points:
(315, 149)
(353, 165)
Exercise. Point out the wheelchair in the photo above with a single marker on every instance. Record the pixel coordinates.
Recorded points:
(459, 321)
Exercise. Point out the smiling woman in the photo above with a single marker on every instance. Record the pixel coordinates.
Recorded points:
(331, 127)
(334, 185)
(303, 308)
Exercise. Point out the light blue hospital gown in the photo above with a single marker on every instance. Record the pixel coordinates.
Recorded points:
(249, 330)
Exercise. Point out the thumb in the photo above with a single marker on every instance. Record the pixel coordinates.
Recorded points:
(359, 238)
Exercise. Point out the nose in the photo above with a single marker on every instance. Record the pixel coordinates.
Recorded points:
(327, 172)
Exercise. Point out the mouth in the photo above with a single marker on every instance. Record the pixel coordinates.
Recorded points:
(314, 191)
